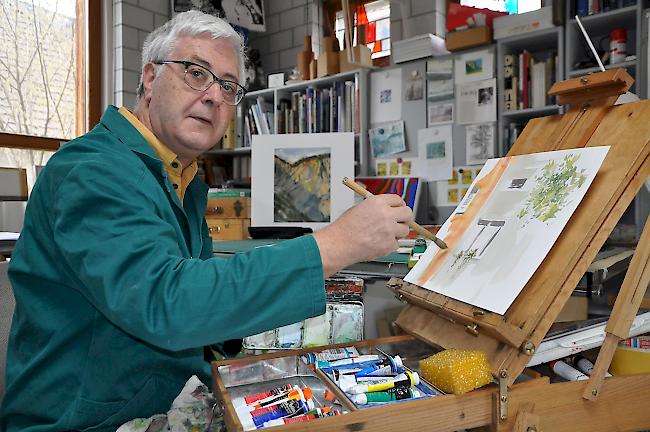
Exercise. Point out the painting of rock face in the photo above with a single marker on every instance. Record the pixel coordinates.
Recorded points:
(301, 189)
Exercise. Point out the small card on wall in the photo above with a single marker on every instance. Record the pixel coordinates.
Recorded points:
(452, 191)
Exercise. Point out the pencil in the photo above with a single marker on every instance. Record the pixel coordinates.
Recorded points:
(413, 225)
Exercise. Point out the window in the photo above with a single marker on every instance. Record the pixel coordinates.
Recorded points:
(374, 17)
(510, 6)
(49, 71)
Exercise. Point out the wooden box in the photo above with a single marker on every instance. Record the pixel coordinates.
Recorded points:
(470, 38)
(229, 207)
(512, 403)
(228, 229)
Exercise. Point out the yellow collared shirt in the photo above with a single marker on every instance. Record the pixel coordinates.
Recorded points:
(179, 176)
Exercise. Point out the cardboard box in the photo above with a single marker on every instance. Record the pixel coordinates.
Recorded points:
(516, 24)
(473, 37)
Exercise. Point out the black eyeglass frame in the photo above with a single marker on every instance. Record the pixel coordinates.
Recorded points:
(241, 91)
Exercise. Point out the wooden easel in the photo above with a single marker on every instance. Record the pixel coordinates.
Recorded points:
(617, 403)
(511, 340)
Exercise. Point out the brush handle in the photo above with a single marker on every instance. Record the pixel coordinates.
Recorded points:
(412, 224)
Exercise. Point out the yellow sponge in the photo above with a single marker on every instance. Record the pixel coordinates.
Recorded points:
(457, 371)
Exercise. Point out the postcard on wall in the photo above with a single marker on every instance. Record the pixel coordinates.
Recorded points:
(414, 87)
(474, 66)
(450, 192)
(442, 113)
(385, 95)
(387, 139)
(506, 224)
(294, 198)
(479, 143)
(440, 80)
(435, 153)
(476, 102)
(399, 167)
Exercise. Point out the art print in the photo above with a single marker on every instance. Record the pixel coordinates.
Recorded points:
(387, 139)
(479, 143)
(302, 185)
(506, 224)
(442, 113)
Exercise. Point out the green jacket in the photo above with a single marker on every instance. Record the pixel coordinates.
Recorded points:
(117, 290)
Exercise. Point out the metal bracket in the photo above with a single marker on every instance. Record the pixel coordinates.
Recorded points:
(472, 329)
(503, 395)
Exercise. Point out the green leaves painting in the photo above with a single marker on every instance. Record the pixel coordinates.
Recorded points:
(554, 185)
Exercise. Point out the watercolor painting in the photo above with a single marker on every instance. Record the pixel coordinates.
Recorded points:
(440, 114)
(302, 185)
(387, 139)
(302, 172)
(507, 222)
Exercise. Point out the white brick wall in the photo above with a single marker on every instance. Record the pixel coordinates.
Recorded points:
(409, 18)
(287, 22)
(133, 21)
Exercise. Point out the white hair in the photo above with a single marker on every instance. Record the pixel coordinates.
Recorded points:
(160, 42)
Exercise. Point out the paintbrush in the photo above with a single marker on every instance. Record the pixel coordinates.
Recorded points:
(413, 225)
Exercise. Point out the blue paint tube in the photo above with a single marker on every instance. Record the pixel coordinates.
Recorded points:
(337, 364)
(389, 366)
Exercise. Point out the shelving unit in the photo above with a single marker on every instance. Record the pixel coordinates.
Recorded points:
(599, 27)
(236, 162)
(540, 44)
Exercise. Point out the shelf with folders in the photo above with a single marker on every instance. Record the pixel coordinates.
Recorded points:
(623, 22)
(337, 103)
(527, 66)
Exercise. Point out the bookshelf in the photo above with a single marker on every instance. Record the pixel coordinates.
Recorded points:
(266, 111)
(599, 27)
(539, 57)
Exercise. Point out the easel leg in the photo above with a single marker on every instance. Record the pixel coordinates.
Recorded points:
(625, 309)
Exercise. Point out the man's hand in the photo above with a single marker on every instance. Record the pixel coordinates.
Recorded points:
(366, 231)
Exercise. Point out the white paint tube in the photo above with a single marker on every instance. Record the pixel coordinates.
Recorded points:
(585, 366)
(567, 372)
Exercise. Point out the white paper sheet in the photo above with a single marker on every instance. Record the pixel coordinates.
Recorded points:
(435, 157)
(476, 102)
(503, 230)
(385, 95)
(474, 66)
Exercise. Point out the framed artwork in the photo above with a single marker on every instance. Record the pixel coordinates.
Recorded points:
(244, 13)
(297, 179)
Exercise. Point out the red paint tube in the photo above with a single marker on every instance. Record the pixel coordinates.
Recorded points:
(273, 392)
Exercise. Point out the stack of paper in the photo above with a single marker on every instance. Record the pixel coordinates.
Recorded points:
(425, 45)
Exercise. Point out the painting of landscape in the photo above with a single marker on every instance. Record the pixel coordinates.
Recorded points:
(301, 189)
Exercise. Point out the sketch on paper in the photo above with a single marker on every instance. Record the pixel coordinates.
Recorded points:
(244, 13)
(302, 185)
(479, 143)
(415, 88)
(507, 222)
(387, 139)
(440, 114)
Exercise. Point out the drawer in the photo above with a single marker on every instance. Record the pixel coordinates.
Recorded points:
(229, 207)
(228, 229)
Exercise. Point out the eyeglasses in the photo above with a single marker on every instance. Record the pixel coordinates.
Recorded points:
(201, 78)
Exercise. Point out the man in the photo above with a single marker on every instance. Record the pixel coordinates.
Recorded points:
(116, 287)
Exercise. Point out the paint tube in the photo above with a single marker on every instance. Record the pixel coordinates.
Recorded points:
(294, 394)
(290, 408)
(330, 355)
(347, 361)
(311, 415)
(388, 366)
(407, 379)
(267, 394)
(394, 394)
(567, 372)
(366, 367)
(585, 366)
